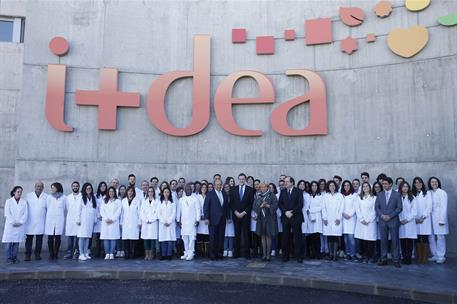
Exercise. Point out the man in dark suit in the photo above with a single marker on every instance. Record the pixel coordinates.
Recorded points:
(291, 205)
(388, 206)
(241, 200)
(215, 209)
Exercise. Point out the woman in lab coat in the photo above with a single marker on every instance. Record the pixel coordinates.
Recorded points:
(439, 220)
(407, 217)
(423, 219)
(366, 225)
(304, 226)
(202, 229)
(110, 211)
(149, 224)
(332, 216)
(86, 220)
(100, 196)
(349, 218)
(130, 221)
(16, 212)
(55, 219)
(166, 213)
(314, 221)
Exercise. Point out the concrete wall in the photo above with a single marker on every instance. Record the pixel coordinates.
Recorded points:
(386, 114)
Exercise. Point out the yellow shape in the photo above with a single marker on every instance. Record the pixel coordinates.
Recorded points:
(407, 42)
(416, 5)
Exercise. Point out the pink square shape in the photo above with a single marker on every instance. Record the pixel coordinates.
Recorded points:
(239, 35)
(289, 35)
(265, 45)
(318, 31)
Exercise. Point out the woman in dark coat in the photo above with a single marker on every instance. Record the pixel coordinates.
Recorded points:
(265, 206)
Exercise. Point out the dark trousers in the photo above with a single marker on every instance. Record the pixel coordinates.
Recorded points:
(406, 250)
(287, 228)
(367, 248)
(216, 238)
(38, 244)
(392, 227)
(72, 244)
(314, 244)
(54, 246)
(130, 246)
(242, 230)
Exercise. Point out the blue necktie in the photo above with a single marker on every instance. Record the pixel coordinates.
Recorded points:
(241, 192)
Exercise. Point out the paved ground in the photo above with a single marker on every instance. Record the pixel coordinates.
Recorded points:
(142, 291)
(431, 282)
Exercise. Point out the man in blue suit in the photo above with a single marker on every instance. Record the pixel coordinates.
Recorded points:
(215, 209)
(388, 206)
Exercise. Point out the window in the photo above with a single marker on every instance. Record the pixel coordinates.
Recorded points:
(11, 29)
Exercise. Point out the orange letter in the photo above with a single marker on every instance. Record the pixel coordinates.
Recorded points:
(317, 107)
(200, 92)
(55, 97)
(223, 100)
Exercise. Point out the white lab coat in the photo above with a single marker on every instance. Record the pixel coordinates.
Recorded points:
(305, 209)
(37, 213)
(15, 213)
(130, 219)
(350, 205)
(73, 204)
(409, 213)
(166, 213)
(112, 211)
(439, 212)
(188, 214)
(202, 227)
(98, 224)
(332, 209)
(424, 209)
(149, 220)
(55, 215)
(87, 217)
(366, 211)
(315, 214)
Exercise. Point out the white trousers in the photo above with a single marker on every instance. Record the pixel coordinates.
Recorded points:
(437, 245)
(189, 244)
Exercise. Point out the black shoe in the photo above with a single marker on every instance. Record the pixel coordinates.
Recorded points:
(27, 258)
(397, 264)
(15, 261)
(382, 262)
(300, 261)
(285, 259)
(37, 257)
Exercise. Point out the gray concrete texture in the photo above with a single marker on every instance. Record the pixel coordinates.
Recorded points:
(385, 113)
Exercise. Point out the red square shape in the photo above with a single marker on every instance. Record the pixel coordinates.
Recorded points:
(318, 31)
(239, 35)
(265, 45)
(289, 35)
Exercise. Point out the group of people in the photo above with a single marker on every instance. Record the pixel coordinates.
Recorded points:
(354, 220)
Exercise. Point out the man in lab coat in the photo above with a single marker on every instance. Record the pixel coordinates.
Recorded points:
(36, 204)
(188, 218)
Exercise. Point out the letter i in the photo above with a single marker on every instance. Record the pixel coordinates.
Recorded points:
(55, 90)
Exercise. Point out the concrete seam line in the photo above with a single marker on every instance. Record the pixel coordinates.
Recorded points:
(376, 289)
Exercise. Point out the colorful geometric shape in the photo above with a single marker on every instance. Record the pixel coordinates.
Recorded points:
(265, 45)
(371, 38)
(59, 46)
(416, 5)
(352, 16)
(407, 42)
(448, 20)
(349, 45)
(318, 31)
(239, 35)
(289, 35)
(383, 8)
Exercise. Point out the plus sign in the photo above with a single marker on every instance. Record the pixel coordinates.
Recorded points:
(108, 99)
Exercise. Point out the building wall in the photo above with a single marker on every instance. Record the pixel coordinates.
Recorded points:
(385, 113)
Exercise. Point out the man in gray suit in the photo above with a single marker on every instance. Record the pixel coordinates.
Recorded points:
(388, 207)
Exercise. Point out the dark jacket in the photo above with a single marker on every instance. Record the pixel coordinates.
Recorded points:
(212, 209)
(394, 207)
(293, 203)
(245, 204)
